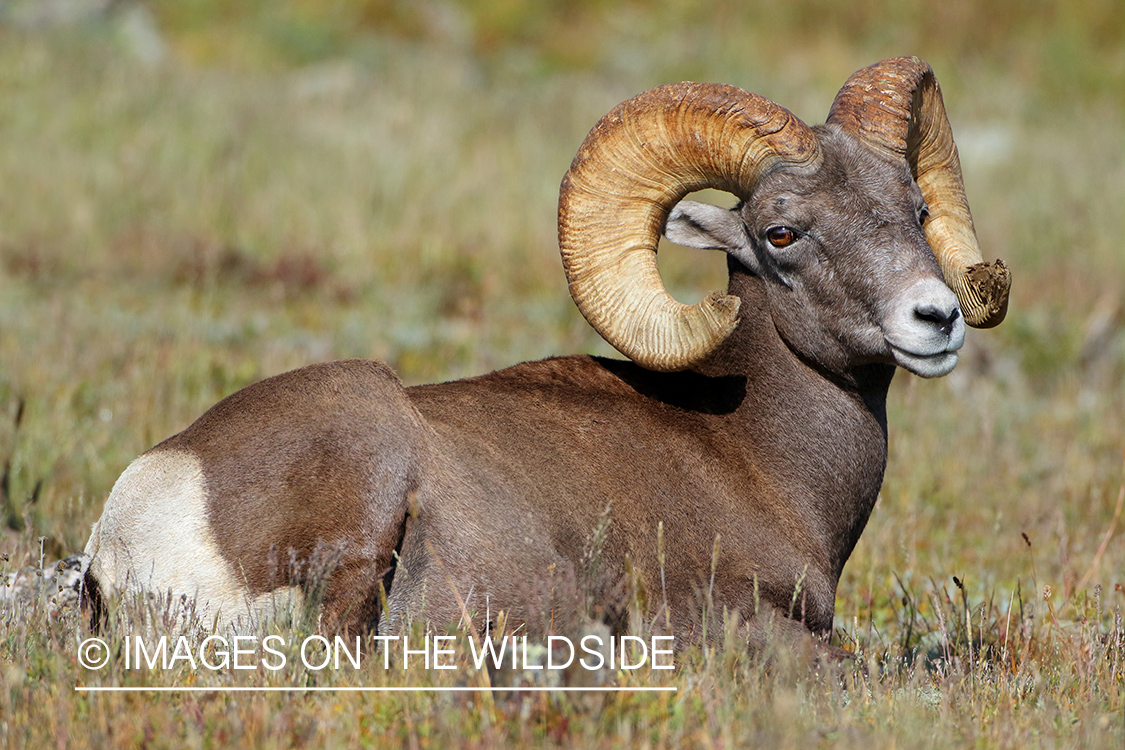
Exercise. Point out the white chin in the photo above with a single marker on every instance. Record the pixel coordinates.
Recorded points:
(926, 366)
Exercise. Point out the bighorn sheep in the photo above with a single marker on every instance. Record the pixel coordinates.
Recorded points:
(757, 416)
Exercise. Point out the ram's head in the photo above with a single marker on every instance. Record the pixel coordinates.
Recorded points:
(853, 223)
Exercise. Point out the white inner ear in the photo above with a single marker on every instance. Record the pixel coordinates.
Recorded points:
(707, 227)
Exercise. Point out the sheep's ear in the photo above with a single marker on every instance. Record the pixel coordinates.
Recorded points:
(707, 227)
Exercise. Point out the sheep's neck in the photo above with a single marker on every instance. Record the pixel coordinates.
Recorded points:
(825, 434)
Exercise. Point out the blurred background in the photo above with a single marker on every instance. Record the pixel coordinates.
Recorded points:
(196, 194)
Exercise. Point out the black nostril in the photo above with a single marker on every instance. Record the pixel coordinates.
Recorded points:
(943, 320)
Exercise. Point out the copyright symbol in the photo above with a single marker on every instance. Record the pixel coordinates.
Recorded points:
(93, 653)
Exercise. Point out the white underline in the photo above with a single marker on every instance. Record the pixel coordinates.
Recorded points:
(296, 689)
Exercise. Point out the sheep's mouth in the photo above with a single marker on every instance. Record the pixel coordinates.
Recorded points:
(931, 365)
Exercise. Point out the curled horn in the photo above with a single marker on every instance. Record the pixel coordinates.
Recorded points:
(895, 107)
(635, 165)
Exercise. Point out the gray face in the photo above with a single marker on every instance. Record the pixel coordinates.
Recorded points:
(849, 276)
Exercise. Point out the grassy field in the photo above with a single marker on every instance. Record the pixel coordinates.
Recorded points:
(196, 195)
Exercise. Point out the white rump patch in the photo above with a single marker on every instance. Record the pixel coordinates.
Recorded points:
(154, 536)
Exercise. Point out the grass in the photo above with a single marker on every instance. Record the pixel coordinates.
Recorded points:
(282, 188)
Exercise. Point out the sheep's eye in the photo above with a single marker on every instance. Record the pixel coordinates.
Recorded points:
(923, 215)
(781, 236)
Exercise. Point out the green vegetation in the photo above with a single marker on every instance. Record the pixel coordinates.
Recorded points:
(195, 195)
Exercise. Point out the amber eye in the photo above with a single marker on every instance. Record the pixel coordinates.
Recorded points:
(780, 236)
